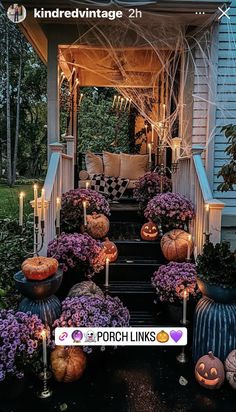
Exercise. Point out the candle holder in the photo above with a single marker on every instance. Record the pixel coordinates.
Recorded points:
(46, 391)
(182, 356)
(106, 290)
(207, 237)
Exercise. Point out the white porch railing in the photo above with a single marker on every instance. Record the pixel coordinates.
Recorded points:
(59, 179)
(191, 180)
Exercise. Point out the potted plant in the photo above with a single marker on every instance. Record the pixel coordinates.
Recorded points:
(20, 338)
(72, 207)
(93, 311)
(216, 272)
(171, 210)
(148, 186)
(170, 282)
(79, 255)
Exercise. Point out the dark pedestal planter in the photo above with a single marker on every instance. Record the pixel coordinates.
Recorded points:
(39, 296)
(214, 329)
(217, 293)
(70, 278)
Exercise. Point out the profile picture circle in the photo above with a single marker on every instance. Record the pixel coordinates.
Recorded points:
(16, 13)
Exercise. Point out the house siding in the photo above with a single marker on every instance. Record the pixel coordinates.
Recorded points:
(226, 106)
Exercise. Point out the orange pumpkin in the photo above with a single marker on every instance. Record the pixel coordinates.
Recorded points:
(68, 363)
(39, 268)
(162, 337)
(97, 225)
(111, 250)
(174, 245)
(149, 231)
(209, 372)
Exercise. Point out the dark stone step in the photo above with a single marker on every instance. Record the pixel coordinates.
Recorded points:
(125, 212)
(125, 230)
(131, 269)
(138, 247)
(144, 318)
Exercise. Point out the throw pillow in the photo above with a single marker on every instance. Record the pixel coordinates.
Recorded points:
(94, 164)
(133, 166)
(111, 164)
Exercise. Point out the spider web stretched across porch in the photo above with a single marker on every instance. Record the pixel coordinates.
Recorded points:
(151, 62)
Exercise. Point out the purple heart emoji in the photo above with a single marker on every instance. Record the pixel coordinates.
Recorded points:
(176, 335)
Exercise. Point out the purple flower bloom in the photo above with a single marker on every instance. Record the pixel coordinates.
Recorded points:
(170, 210)
(148, 186)
(79, 251)
(170, 281)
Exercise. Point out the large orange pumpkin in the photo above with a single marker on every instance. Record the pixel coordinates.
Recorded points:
(68, 363)
(39, 267)
(110, 249)
(174, 245)
(97, 225)
(209, 372)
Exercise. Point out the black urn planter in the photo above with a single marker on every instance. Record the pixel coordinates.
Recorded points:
(39, 296)
(216, 292)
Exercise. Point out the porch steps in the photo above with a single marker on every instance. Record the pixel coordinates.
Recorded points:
(130, 276)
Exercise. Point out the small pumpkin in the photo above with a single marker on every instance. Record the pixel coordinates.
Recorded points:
(230, 368)
(110, 249)
(162, 337)
(209, 372)
(87, 287)
(97, 225)
(39, 267)
(149, 231)
(68, 363)
(174, 245)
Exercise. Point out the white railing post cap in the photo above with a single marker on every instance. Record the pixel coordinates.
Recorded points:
(69, 138)
(197, 149)
(56, 147)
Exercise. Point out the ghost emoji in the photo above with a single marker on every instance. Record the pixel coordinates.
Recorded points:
(90, 336)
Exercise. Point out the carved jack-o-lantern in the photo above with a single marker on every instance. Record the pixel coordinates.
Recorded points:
(230, 368)
(209, 372)
(110, 249)
(149, 231)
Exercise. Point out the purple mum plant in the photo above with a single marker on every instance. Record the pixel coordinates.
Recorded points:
(93, 311)
(72, 207)
(78, 251)
(172, 279)
(148, 186)
(20, 338)
(171, 210)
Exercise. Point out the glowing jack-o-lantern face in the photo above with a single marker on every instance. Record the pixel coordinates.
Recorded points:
(209, 372)
(149, 231)
(110, 249)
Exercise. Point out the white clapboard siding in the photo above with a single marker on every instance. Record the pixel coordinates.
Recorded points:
(225, 101)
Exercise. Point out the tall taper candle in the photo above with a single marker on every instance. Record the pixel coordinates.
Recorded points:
(107, 272)
(207, 219)
(85, 212)
(43, 204)
(189, 247)
(87, 184)
(121, 102)
(152, 133)
(58, 212)
(44, 338)
(149, 152)
(114, 100)
(35, 200)
(126, 103)
(185, 297)
(164, 113)
(21, 208)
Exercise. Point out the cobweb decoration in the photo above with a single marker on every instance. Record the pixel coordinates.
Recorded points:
(163, 66)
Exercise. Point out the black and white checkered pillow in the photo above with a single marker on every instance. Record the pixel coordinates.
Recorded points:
(98, 183)
(115, 187)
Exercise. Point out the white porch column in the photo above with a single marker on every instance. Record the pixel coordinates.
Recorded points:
(70, 144)
(53, 94)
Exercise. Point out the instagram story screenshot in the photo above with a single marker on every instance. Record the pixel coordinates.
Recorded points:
(118, 206)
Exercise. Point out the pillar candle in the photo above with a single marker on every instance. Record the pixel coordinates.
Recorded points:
(107, 272)
(189, 246)
(44, 338)
(58, 212)
(185, 297)
(35, 200)
(85, 212)
(207, 228)
(21, 209)
(43, 204)
(149, 152)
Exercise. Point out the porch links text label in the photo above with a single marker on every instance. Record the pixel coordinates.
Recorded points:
(77, 14)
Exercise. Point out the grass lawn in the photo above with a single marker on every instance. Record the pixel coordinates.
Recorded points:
(9, 200)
